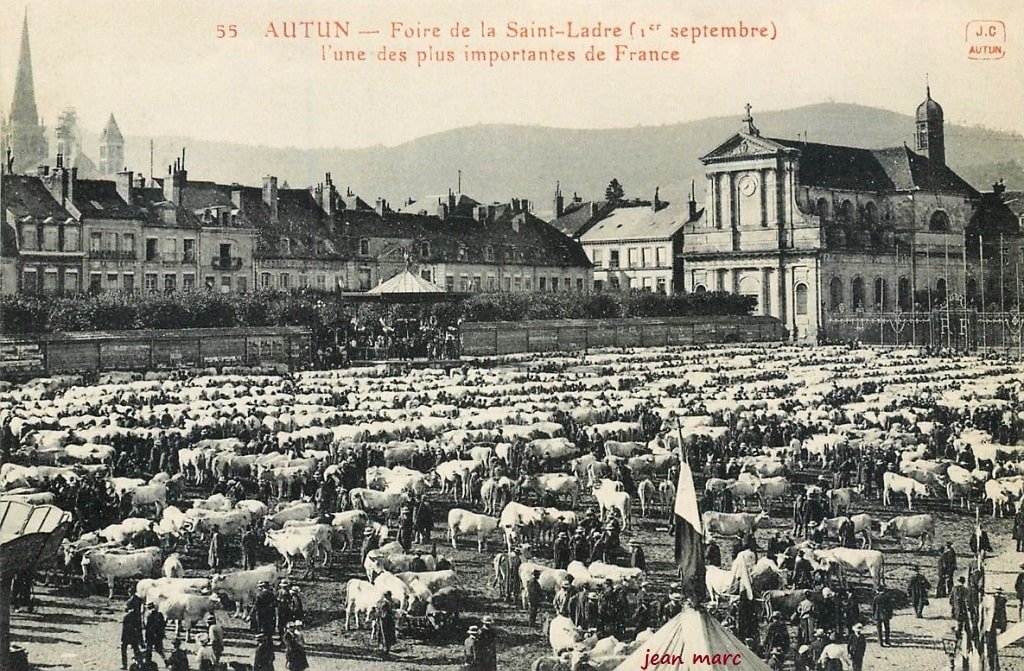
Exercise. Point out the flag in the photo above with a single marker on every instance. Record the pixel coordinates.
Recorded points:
(689, 535)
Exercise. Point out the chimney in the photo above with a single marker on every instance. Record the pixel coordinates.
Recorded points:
(236, 195)
(329, 196)
(442, 210)
(42, 170)
(71, 184)
(140, 181)
(451, 196)
(60, 160)
(381, 206)
(174, 184)
(593, 209)
(692, 202)
(124, 185)
(559, 200)
(270, 196)
(999, 188)
(657, 200)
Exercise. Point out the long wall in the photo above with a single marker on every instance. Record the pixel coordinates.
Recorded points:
(573, 335)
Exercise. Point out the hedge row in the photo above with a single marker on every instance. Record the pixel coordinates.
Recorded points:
(322, 310)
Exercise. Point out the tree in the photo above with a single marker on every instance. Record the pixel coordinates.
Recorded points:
(614, 193)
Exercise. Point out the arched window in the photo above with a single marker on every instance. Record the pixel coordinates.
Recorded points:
(871, 214)
(940, 289)
(835, 293)
(972, 291)
(821, 208)
(858, 293)
(881, 294)
(700, 289)
(939, 222)
(903, 294)
(846, 211)
(801, 299)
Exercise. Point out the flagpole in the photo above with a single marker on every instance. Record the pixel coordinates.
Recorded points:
(981, 263)
(945, 274)
(966, 320)
(928, 293)
(1002, 292)
(913, 290)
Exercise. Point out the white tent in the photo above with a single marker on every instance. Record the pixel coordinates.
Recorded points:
(406, 282)
(692, 640)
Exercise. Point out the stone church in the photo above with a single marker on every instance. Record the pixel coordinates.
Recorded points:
(813, 229)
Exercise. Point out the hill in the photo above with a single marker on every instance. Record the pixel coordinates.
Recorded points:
(499, 162)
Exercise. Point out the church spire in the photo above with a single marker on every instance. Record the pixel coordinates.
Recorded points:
(23, 107)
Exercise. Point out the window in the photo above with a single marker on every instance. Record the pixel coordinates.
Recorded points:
(598, 285)
(870, 214)
(29, 234)
(646, 256)
(225, 284)
(528, 283)
(646, 284)
(71, 281)
(170, 249)
(225, 250)
(51, 239)
(614, 283)
(835, 293)
(489, 253)
(150, 282)
(112, 283)
(50, 285)
(303, 280)
(613, 258)
(365, 279)
(821, 208)
(596, 256)
(28, 281)
(567, 283)
(881, 291)
(128, 244)
(477, 283)
(321, 281)
(424, 249)
(449, 282)
(492, 283)
(151, 249)
(95, 241)
(241, 284)
(542, 283)
(507, 284)
(72, 243)
(364, 247)
(554, 284)
(858, 293)
(464, 283)
(940, 289)
(170, 283)
(631, 257)
(518, 283)
(903, 299)
(265, 280)
(208, 282)
(188, 247)
(282, 280)
(801, 299)
(939, 222)
(846, 211)
(700, 289)
(659, 257)
(188, 281)
(426, 274)
(661, 285)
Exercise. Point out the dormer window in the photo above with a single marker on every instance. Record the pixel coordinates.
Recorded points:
(462, 252)
(364, 247)
(286, 246)
(424, 249)
(489, 253)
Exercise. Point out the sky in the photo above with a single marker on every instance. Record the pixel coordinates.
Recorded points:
(160, 68)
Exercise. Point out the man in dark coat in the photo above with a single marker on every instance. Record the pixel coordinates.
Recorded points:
(215, 555)
(423, 521)
(776, 635)
(979, 541)
(846, 533)
(154, 626)
(131, 634)
(533, 596)
(637, 559)
(712, 553)
(471, 650)
(1018, 587)
(947, 566)
(250, 548)
(958, 606)
(1018, 529)
(881, 610)
(264, 609)
(488, 645)
(856, 646)
(561, 551)
(917, 590)
(370, 542)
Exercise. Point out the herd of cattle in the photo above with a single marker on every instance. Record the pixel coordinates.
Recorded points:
(450, 436)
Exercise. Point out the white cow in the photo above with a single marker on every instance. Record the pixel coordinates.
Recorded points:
(242, 586)
(111, 564)
(841, 559)
(172, 567)
(731, 524)
(186, 608)
(515, 517)
(894, 482)
(554, 485)
(610, 497)
(292, 546)
(911, 526)
(465, 522)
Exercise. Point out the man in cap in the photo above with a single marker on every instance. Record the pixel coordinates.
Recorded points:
(776, 635)
(264, 609)
(533, 596)
(561, 551)
(856, 646)
(563, 597)
(471, 650)
(488, 645)
(918, 590)
(881, 610)
(673, 607)
(154, 627)
(999, 621)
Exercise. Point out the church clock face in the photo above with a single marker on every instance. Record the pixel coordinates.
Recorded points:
(748, 185)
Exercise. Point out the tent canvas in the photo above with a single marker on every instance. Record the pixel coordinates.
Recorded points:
(406, 282)
(686, 638)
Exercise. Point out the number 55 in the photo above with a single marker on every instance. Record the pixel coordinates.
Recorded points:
(227, 31)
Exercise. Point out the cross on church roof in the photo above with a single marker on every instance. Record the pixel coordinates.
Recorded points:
(750, 128)
(748, 108)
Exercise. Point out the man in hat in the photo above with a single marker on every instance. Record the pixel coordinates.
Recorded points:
(881, 610)
(979, 541)
(958, 606)
(216, 634)
(510, 589)
(131, 634)
(776, 636)
(284, 607)
(405, 527)
(583, 662)
(178, 659)
(417, 565)
(533, 596)
(856, 646)
(295, 647)
(250, 547)
(563, 597)
(673, 607)
(818, 644)
(488, 638)
(999, 622)
(471, 650)
(591, 611)
(1018, 528)
(561, 552)
(776, 660)
(154, 627)
(370, 543)
(264, 609)
(295, 603)
(802, 660)
(213, 557)
(263, 658)
(1018, 587)
(947, 567)
(637, 559)
(918, 590)
(386, 618)
(423, 517)
(712, 553)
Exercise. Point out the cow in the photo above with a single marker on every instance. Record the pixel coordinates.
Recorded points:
(378, 503)
(172, 567)
(361, 596)
(553, 485)
(862, 524)
(292, 545)
(841, 498)
(154, 494)
(743, 489)
(432, 580)
(111, 564)
(731, 524)
(230, 523)
(155, 590)
(893, 482)
(911, 526)
(496, 493)
(785, 601)
(715, 485)
(349, 524)
(771, 488)
(465, 522)
(609, 498)
(647, 492)
(378, 562)
(242, 586)
(186, 608)
(842, 559)
(515, 518)
(549, 578)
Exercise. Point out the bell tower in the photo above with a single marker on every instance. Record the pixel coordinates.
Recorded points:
(929, 137)
(22, 133)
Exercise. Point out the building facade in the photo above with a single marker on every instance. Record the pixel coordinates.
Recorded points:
(813, 229)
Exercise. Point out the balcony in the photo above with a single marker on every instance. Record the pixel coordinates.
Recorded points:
(227, 262)
(112, 254)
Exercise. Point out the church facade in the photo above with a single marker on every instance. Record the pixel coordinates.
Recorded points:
(815, 230)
